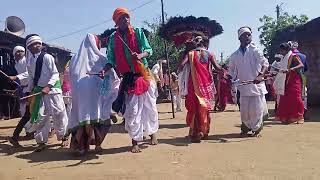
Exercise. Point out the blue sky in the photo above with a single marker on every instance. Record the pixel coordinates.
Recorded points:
(55, 18)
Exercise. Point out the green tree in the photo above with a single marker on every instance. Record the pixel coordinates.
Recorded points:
(157, 44)
(271, 26)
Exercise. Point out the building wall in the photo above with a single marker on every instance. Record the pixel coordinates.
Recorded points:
(313, 75)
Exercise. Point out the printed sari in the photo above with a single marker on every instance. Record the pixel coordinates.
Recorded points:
(290, 108)
(200, 93)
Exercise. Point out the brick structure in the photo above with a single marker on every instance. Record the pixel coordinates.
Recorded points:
(308, 37)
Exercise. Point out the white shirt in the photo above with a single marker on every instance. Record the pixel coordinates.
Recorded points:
(21, 67)
(246, 66)
(49, 73)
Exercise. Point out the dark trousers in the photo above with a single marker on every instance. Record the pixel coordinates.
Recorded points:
(23, 121)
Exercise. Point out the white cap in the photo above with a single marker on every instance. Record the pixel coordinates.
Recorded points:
(33, 39)
(18, 48)
(243, 30)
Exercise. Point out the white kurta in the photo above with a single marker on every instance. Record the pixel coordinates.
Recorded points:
(247, 67)
(52, 103)
(141, 113)
(22, 70)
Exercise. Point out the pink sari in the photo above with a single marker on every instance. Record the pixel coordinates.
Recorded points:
(291, 108)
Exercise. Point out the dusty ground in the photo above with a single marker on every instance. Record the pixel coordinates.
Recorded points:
(283, 152)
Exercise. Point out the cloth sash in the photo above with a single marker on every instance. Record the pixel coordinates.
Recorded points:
(280, 79)
(201, 77)
(122, 61)
(35, 102)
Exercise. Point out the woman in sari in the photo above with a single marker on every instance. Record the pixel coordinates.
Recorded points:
(288, 84)
(200, 89)
(91, 96)
(223, 90)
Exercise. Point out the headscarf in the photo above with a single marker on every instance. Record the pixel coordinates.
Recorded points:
(244, 30)
(293, 44)
(88, 59)
(18, 48)
(280, 56)
(33, 39)
(118, 13)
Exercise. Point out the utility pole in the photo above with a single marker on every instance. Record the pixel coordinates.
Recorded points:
(168, 62)
(221, 57)
(278, 11)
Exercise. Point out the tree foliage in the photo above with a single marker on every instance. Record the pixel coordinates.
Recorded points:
(157, 44)
(270, 26)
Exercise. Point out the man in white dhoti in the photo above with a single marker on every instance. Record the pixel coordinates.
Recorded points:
(248, 63)
(92, 97)
(44, 79)
(127, 51)
(22, 77)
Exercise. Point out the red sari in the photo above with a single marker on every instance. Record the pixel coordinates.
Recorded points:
(200, 93)
(291, 108)
(224, 91)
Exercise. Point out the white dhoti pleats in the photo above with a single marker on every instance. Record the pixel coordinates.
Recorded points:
(51, 104)
(141, 114)
(253, 108)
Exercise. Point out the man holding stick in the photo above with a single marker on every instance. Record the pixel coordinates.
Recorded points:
(127, 52)
(248, 63)
(21, 68)
(44, 78)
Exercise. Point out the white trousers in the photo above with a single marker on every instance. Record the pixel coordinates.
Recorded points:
(68, 102)
(177, 101)
(252, 110)
(141, 114)
(51, 104)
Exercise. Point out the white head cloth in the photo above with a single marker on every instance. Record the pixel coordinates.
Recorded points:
(86, 89)
(18, 48)
(243, 30)
(88, 59)
(280, 56)
(33, 39)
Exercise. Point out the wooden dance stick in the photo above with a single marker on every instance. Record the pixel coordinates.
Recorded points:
(125, 44)
(9, 78)
(249, 82)
(35, 94)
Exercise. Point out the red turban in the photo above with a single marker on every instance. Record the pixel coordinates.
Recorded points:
(118, 13)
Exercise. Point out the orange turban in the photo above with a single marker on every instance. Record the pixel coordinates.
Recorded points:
(118, 13)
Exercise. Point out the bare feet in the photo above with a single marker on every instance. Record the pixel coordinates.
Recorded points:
(113, 118)
(65, 142)
(40, 147)
(154, 140)
(135, 148)
(300, 121)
